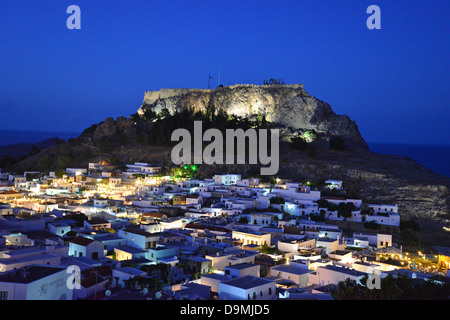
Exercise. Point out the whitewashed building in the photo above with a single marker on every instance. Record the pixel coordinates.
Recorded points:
(38, 282)
(247, 288)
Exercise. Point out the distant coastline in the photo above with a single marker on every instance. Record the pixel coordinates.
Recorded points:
(14, 137)
(434, 157)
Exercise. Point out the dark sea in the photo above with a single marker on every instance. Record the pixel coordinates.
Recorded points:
(435, 157)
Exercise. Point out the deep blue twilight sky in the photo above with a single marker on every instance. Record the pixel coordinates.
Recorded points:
(393, 82)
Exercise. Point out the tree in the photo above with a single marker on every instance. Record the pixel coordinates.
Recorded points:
(345, 209)
(322, 203)
(60, 173)
(267, 250)
(310, 135)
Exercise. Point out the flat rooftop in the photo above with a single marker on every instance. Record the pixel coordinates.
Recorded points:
(32, 274)
(348, 271)
(247, 282)
(291, 269)
(241, 266)
(326, 240)
(28, 259)
(129, 249)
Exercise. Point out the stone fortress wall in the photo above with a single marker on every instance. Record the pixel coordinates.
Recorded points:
(151, 96)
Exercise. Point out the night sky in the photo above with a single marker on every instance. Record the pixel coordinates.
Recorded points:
(393, 82)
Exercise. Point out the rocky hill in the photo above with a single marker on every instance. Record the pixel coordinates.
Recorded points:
(287, 106)
(24, 149)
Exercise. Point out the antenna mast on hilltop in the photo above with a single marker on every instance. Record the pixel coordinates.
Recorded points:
(209, 80)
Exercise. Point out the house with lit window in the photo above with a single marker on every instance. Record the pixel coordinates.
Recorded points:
(333, 184)
(138, 238)
(330, 244)
(129, 253)
(221, 260)
(252, 237)
(378, 240)
(142, 168)
(85, 247)
(227, 179)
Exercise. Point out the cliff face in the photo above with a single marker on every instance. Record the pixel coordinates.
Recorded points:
(288, 106)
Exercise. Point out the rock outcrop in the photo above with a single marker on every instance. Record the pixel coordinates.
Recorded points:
(288, 106)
